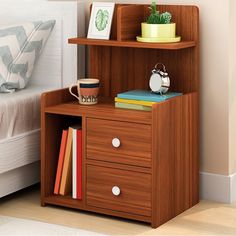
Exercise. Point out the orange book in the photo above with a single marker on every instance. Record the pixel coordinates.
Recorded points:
(66, 179)
(60, 161)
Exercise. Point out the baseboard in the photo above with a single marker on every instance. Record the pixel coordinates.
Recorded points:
(219, 188)
(233, 188)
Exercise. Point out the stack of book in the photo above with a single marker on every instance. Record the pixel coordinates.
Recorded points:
(141, 99)
(69, 167)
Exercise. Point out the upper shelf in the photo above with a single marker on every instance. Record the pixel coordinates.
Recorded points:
(132, 44)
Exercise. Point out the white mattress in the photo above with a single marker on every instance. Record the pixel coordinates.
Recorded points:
(20, 111)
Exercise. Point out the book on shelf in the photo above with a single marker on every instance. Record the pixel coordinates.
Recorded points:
(137, 102)
(132, 106)
(66, 179)
(144, 95)
(77, 163)
(69, 168)
(60, 161)
(74, 162)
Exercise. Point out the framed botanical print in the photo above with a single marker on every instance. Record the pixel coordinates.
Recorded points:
(101, 20)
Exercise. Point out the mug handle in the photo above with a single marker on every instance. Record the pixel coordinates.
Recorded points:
(70, 90)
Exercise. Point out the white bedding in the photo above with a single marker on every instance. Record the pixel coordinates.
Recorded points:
(20, 111)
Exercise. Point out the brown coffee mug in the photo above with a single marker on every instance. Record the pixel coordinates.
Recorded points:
(87, 91)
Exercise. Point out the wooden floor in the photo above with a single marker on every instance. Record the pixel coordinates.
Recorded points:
(206, 218)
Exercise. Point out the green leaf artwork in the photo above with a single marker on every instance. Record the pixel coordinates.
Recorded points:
(101, 20)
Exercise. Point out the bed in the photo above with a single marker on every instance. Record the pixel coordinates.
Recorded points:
(56, 68)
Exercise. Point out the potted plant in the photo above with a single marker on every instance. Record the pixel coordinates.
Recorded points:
(158, 24)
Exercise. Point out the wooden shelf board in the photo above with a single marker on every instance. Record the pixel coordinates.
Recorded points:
(132, 44)
(105, 109)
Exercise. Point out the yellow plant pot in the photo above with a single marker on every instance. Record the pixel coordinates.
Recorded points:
(158, 30)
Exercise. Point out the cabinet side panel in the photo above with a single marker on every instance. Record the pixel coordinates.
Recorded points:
(194, 126)
(175, 157)
(163, 166)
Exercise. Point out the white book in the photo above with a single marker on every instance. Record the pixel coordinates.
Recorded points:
(74, 163)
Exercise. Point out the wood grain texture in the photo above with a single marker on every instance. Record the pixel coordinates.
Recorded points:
(135, 196)
(135, 139)
(194, 149)
(175, 158)
(118, 158)
(113, 34)
(51, 133)
(131, 62)
(105, 109)
(132, 44)
(158, 164)
(102, 57)
(72, 203)
(127, 27)
(52, 98)
(51, 130)
(120, 166)
(135, 66)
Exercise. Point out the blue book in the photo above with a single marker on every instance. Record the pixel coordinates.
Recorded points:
(145, 95)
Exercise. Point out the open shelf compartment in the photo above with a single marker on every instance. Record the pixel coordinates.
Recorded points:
(54, 125)
(105, 109)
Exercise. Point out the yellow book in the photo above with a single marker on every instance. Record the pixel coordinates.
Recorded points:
(144, 103)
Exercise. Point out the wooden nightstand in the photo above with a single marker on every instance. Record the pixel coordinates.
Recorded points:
(136, 164)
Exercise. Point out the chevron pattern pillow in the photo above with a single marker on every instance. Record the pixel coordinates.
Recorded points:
(20, 47)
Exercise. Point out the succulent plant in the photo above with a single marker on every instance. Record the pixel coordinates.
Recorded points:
(165, 18)
(156, 17)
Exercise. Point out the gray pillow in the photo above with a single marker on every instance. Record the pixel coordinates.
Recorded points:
(20, 47)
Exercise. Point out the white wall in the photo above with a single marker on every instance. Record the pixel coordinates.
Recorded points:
(214, 78)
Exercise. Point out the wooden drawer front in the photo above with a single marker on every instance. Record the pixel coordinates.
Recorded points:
(135, 140)
(135, 190)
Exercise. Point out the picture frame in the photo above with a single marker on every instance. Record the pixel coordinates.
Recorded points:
(101, 20)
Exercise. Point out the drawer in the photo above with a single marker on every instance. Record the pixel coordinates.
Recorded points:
(104, 184)
(120, 142)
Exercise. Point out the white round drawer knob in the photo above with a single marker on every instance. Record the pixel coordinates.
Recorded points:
(116, 191)
(115, 142)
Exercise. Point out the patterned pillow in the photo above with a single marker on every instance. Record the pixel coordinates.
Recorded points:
(20, 47)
